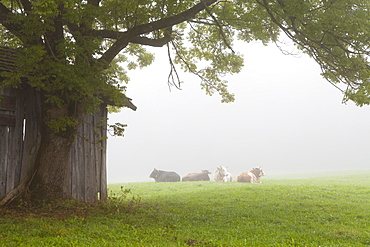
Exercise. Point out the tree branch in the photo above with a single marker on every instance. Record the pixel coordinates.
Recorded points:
(26, 5)
(94, 2)
(52, 37)
(173, 76)
(110, 34)
(220, 28)
(151, 42)
(127, 36)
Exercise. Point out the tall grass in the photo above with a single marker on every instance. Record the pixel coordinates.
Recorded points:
(322, 211)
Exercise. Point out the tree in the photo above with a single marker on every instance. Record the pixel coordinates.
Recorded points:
(76, 53)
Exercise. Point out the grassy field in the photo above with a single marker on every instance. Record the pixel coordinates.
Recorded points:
(314, 211)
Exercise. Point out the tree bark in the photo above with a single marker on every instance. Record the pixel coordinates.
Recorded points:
(52, 168)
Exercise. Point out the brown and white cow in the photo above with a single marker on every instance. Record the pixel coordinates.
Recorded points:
(200, 176)
(251, 176)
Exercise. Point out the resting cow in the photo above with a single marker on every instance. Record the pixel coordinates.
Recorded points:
(164, 176)
(251, 176)
(200, 176)
(222, 175)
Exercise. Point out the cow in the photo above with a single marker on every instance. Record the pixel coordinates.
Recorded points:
(200, 176)
(251, 176)
(164, 176)
(222, 175)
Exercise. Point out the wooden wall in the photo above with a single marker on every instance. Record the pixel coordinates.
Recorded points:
(88, 159)
(20, 140)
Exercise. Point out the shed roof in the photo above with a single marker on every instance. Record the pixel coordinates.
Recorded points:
(7, 58)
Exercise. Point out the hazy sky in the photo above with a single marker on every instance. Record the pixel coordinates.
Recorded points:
(286, 118)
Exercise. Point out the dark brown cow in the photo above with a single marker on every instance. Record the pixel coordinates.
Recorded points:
(200, 176)
(251, 176)
(164, 176)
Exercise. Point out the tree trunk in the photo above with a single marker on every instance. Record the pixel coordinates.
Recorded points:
(52, 169)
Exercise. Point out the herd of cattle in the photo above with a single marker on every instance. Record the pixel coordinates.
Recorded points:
(220, 175)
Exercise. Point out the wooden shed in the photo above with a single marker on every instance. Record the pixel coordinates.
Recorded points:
(20, 139)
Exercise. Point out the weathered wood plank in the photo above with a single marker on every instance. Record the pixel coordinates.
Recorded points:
(98, 158)
(7, 110)
(81, 165)
(90, 184)
(11, 161)
(4, 147)
(8, 102)
(77, 161)
(12, 147)
(103, 165)
(99, 151)
(74, 157)
(7, 119)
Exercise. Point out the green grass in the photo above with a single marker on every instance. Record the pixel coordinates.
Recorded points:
(319, 211)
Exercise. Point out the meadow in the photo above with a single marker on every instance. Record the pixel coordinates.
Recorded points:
(321, 210)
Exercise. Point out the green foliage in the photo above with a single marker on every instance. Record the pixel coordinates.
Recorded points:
(317, 211)
(335, 34)
(117, 129)
(65, 45)
(62, 123)
(123, 195)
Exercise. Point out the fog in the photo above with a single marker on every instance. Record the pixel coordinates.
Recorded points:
(286, 118)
